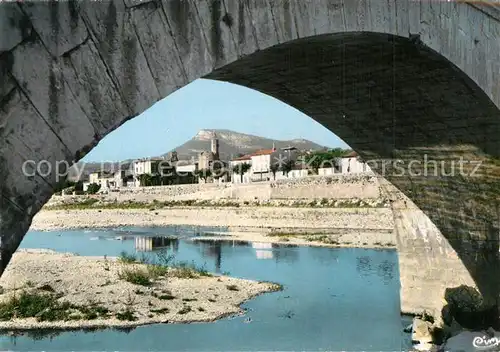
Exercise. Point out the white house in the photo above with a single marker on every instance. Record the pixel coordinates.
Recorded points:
(147, 166)
(103, 178)
(237, 178)
(187, 168)
(350, 164)
(261, 164)
(327, 171)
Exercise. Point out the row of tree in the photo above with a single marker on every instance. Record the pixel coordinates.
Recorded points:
(314, 161)
(325, 159)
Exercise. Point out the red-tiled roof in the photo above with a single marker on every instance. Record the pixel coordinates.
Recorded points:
(263, 152)
(257, 153)
(244, 157)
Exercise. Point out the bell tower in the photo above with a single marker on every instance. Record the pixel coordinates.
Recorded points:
(215, 145)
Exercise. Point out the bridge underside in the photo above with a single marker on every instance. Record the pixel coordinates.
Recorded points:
(393, 99)
(71, 72)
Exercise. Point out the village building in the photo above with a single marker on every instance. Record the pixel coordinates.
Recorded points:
(207, 157)
(351, 164)
(104, 179)
(236, 177)
(210, 160)
(261, 164)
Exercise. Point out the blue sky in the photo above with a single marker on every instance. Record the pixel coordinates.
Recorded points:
(207, 104)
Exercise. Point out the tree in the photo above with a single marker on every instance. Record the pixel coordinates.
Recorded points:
(287, 166)
(146, 180)
(274, 168)
(93, 188)
(204, 174)
(321, 159)
(241, 169)
(79, 186)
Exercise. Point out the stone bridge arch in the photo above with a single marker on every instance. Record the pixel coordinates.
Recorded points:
(397, 80)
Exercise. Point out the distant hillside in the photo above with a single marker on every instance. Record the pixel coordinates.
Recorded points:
(231, 144)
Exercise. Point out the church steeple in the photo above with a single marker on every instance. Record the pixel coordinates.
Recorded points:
(214, 144)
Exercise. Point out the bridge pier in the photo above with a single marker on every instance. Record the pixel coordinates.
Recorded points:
(447, 279)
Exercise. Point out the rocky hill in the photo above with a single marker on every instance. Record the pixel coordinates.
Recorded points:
(232, 144)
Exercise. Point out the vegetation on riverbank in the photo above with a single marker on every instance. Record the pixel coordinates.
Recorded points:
(44, 306)
(319, 237)
(96, 203)
(162, 265)
(81, 292)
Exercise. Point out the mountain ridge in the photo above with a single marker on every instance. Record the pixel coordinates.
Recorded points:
(231, 145)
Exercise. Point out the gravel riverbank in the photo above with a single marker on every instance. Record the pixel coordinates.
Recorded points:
(345, 227)
(256, 217)
(97, 295)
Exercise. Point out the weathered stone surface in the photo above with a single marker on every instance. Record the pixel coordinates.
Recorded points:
(216, 23)
(14, 22)
(26, 180)
(121, 50)
(162, 53)
(397, 80)
(58, 23)
(190, 38)
(93, 87)
(243, 30)
(41, 79)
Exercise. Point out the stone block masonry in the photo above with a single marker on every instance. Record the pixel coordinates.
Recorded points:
(396, 79)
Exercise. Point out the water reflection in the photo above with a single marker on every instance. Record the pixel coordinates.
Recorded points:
(331, 298)
(363, 265)
(149, 244)
(212, 249)
(385, 269)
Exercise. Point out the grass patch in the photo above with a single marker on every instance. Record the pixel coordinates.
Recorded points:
(156, 271)
(201, 309)
(127, 315)
(136, 276)
(160, 310)
(282, 234)
(162, 265)
(46, 307)
(46, 288)
(232, 287)
(166, 297)
(185, 270)
(189, 299)
(212, 300)
(185, 310)
(127, 258)
(321, 238)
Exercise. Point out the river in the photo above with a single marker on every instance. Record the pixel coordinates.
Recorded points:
(333, 298)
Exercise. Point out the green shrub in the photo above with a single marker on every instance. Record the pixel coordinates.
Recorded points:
(127, 314)
(232, 287)
(160, 310)
(136, 276)
(93, 188)
(46, 307)
(166, 297)
(127, 258)
(184, 310)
